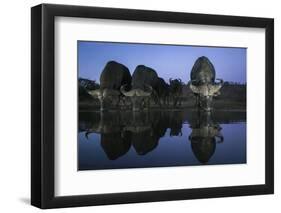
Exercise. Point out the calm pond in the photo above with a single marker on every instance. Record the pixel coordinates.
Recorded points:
(123, 139)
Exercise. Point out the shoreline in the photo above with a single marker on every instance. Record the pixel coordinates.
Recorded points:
(88, 109)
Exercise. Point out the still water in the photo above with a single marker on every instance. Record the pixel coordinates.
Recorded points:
(114, 140)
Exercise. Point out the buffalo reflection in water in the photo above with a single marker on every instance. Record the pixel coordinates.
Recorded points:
(204, 136)
(143, 130)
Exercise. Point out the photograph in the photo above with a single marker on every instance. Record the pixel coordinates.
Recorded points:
(133, 105)
(143, 105)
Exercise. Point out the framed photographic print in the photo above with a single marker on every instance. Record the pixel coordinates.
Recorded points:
(139, 106)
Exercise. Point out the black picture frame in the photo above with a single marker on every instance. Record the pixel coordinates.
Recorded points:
(43, 117)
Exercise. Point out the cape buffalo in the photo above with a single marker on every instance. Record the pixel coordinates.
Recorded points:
(113, 76)
(144, 79)
(203, 83)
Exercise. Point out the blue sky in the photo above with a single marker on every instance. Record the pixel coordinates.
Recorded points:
(170, 61)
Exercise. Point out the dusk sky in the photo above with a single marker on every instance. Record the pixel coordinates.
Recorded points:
(169, 61)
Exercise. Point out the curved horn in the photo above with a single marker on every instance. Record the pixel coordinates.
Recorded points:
(126, 93)
(220, 81)
(122, 90)
(95, 93)
(194, 89)
(149, 87)
(214, 89)
(144, 93)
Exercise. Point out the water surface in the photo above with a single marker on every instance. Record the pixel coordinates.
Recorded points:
(114, 140)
